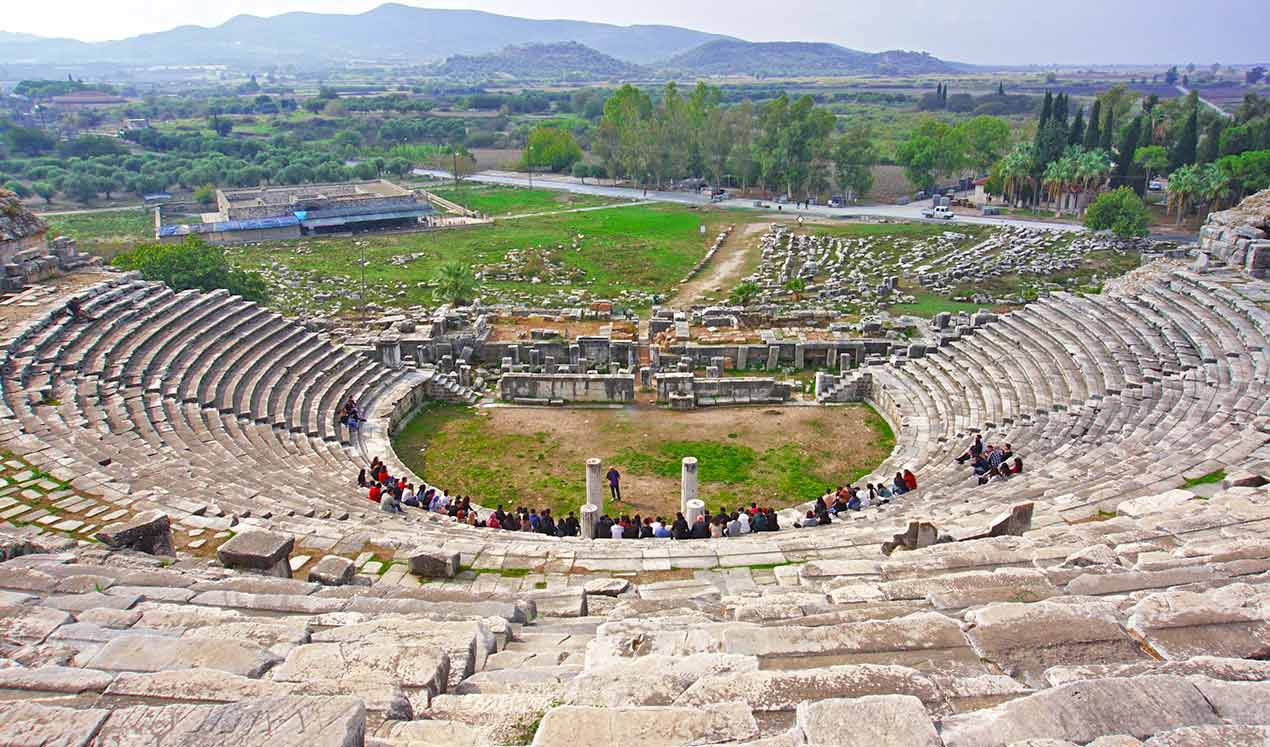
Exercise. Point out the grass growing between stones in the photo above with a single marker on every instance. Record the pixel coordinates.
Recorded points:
(496, 200)
(623, 254)
(1210, 478)
(535, 457)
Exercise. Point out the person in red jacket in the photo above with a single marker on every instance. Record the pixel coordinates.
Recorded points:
(375, 492)
(910, 480)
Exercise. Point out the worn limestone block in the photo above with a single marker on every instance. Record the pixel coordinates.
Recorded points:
(259, 552)
(1026, 639)
(157, 654)
(867, 721)
(261, 722)
(431, 562)
(29, 624)
(23, 723)
(770, 690)
(581, 726)
(148, 532)
(332, 570)
(1083, 711)
(609, 587)
(1232, 621)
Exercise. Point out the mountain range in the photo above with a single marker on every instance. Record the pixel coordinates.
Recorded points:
(402, 34)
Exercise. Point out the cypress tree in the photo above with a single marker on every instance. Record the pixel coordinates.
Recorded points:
(1184, 150)
(1077, 134)
(1210, 146)
(1060, 109)
(1092, 136)
(1109, 130)
(1047, 108)
(1124, 155)
(1001, 89)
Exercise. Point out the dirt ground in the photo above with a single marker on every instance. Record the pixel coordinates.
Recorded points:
(827, 444)
(729, 265)
(506, 329)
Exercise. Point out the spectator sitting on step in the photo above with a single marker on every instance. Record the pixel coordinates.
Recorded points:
(662, 532)
(617, 531)
(1017, 467)
(854, 503)
(744, 520)
(408, 496)
(809, 520)
(75, 310)
(389, 505)
(700, 529)
(899, 487)
(546, 524)
(375, 492)
(972, 451)
(680, 530)
(716, 528)
(980, 465)
(569, 527)
(839, 505)
(492, 522)
(759, 522)
(773, 523)
(910, 480)
(733, 528)
(361, 477)
(646, 529)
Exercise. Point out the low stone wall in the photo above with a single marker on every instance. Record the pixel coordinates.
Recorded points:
(532, 388)
(684, 391)
(1239, 237)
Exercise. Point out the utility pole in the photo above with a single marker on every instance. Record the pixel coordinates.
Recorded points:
(530, 162)
(456, 169)
(363, 263)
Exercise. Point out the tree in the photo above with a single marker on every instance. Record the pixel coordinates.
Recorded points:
(1254, 75)
(1076, 136)
(82, 187)
(1210, 145)
(932, 150)
(1170, 77)
(796, 286)
(1186, 147)
(1092, 134)
(986, 138)
(456, 284)
(205, 195)
(1015, 172)
(1151, 158)
(744, 294)
(552, 148)
(192, 264)
(1185, 185)
(1248, 171)
(581, 171)
(1121, 211)
(44, 190)
(853, 158)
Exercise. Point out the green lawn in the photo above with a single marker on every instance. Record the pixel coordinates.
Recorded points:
(496, 200)
(105, 234)
(927, 304)
(621, 254)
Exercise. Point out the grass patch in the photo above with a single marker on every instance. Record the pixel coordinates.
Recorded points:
(768, 566)
(621, 255)
(499, 200)
(1210, 478)
(926, 304)
(105, 234)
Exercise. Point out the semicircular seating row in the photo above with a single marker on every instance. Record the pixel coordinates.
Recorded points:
(209, 406)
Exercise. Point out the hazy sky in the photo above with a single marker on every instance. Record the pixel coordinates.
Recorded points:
(987, 31)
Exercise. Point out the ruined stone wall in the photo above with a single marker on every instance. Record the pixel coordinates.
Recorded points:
(534, 388)
(1238, 237)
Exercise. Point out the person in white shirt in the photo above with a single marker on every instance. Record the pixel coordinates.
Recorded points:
(615, 531)
(743, 519)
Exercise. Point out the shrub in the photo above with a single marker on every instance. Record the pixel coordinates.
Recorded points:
(192, 264)
(1121, 211)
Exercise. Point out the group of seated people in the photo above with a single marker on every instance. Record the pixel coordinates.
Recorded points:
(991, 463)
(851, 498)
(351, 415)
(722, 524)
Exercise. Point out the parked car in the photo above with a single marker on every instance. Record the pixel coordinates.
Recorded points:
(1155, 185)
(943, 212)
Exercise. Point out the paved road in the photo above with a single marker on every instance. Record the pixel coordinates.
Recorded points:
(898, 212)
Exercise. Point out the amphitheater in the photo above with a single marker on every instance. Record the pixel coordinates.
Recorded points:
(190, 561)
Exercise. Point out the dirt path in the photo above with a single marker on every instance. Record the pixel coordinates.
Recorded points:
(725, 269)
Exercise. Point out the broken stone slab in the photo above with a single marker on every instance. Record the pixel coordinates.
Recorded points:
(30, 624)
(332, 570)
(650, 680)
(1213, 667)
(157, 654)
(278, 636)
(466, 643)
(1211, 736)
(770, 690)
(1231, 621)
(570, 602)
(197, 684)
(1026, 639)
(149, 532)
(258, 551)
(431, 732)
(867, 721)
(655, 726)
(1236, 702)
(55, 679)
(1151, 504)
(411, 666)
(918, 535)
(1084, 711)
(1094, 555)
(24, 723)
(609, 587)
(260, 722)
(431, 562)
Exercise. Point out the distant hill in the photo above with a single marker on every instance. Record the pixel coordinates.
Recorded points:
(791, 59)
(542, 62)
(390, 33)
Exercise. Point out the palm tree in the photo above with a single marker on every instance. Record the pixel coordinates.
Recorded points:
(796, 286)
(744, 294)
(1015, 170)
(1092, 169)
(456, 284)
(1184, 185)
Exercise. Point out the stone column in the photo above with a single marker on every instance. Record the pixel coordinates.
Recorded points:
(587, 517)
(389, 351)
(693, 509)
(595, 485)
(687, 482)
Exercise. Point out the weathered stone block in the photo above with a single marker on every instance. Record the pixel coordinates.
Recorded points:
(148, 532)
(258, 552)
(433, 562)
(332, 570)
